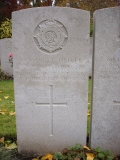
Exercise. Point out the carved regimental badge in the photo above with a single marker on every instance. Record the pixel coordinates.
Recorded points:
(50, 36)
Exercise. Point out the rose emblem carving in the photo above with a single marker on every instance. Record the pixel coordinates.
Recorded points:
(50, 36)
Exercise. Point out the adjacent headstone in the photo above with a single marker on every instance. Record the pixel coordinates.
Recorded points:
(5, 50)
(51, 54)
(105, 130)
(90, 57)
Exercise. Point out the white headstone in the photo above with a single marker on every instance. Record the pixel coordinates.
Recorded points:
(51, 47)
(105, 130)
(90, 56)
(5, 50)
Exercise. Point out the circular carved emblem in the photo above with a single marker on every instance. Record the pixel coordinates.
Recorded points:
(117, 57)
(50, 36)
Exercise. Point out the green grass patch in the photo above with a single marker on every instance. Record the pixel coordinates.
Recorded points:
(7, 121)
(89, 93)
(89, 106)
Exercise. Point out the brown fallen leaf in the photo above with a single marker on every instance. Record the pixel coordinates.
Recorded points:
(2, 140)
(6, 97)
(11, 113)
(85, 147)
(11, 146)
(90, 156)
(47, 157)
(0, 99)
(88, 113)
(3, 111)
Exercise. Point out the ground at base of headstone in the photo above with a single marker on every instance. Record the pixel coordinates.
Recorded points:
(78, 152)
(5, 76)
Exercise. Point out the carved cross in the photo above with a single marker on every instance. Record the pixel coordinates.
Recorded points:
(51, 104)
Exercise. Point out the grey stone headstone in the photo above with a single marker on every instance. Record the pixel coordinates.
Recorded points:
(5, 50)
(90, 56)
(50, 78)
(105, 130)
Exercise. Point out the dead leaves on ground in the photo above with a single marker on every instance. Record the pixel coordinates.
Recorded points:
(74, 153)
(6, 97)
(2, 140)
(90, 156)
(87, 151)
(8, 145)
(11, 113)
(4, 111)
(11, 146)
(85, 147)
(88, 112)
(47, 157)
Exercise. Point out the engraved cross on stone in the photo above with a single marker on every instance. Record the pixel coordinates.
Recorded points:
(51, 104)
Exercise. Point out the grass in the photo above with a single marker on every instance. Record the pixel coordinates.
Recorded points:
(89, 104)
(89, 93)
(7, 121)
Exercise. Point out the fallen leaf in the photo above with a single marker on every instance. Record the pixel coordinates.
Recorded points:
(3, 111)
(0, 91)
(12, 102)
(11, 146)
(6, 97)
(47, 157)
(85, 147)
(88, 113)
(2, 140)
(0, 99)
(90, 156)
(11, 113)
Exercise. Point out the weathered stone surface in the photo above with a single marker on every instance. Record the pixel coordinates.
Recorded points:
(90, 56)
(105, 130)
(5, 50)
(51, 53)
